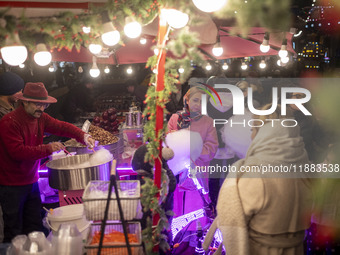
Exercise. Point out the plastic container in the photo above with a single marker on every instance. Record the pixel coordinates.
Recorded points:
(95, 197)
(68, 214)
(68, 240)
(115, 247)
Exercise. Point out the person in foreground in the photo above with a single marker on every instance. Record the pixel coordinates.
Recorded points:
(263, 213)
(21, 148)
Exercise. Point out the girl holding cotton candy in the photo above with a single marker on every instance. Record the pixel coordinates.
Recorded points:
(194, 144)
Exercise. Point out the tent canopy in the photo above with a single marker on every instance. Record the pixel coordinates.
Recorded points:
(133, 52)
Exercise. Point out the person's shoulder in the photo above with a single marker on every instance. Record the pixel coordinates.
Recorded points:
(206, 118)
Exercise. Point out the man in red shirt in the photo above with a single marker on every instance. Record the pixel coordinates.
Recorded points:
(21, 148)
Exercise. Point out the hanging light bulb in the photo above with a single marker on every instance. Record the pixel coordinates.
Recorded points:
(107, 69)
(129, 70)
(176, 19)
(80, 69)
(217, 50)
(209, 6)
(95, 48)
(156, 51)
(86, 30)
(181, 70)
(283, 52)
(51, 68)
(280, 63)
(142, 40)
(110, 36)
(22, 65)
(263, 64)
(264, 47)
(208, 67)
(14, 52)
(154, 70)
(244, 66)
(94, 71)
(225, 66)
(132, 28)
(285, 60)
(42, 57)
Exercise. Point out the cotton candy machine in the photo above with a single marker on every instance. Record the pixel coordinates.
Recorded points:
(70, 176)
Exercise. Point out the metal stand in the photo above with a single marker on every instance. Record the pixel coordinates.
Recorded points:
(113, 183)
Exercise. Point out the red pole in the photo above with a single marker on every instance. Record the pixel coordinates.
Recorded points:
(159, 110)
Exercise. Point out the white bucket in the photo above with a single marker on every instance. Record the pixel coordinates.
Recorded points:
(68, 214)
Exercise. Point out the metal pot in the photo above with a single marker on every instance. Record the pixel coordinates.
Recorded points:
(63, 178)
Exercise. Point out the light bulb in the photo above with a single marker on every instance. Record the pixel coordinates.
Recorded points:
(42, 57)
(175, 18)
(208, 67)
(283, 52)
(181, 70)
(110, 36)
(129, 70)
(80, 69)
(209, 6)
(264, 48)
(51, 68)
(22, 65)
(244, 66)
(225, 66)
(14, 52)
(95, 48)
(279, 63)
(154, 70)
(263, 64)
(132, 29)
(107, 69)
(217, 50)
(142, 40)
(285, 60)
(94, 71)
(86, 30)
(156, 51)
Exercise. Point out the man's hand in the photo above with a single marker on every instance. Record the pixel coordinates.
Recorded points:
(89, 141)
(57, 146)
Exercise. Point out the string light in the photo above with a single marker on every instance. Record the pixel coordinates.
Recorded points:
(51, 68)
(263, 64)
(176, 19)
(107, 69)
(208, 67)
(129, 70)
(283, 51)
(142, 40)
(132, 28)
(110, 36)
(22, 65)
(244, 66)
(94, 71)
(86, 30)
(209, 6)
(181, 70)
(42, 57)
(264, 47)
(14, 53)
(225, 66)
(95, 48)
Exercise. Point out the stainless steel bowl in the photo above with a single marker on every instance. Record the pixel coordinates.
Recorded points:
(63, 178)
(85, 150)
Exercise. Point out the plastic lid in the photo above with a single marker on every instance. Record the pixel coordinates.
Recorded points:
(68, 212)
